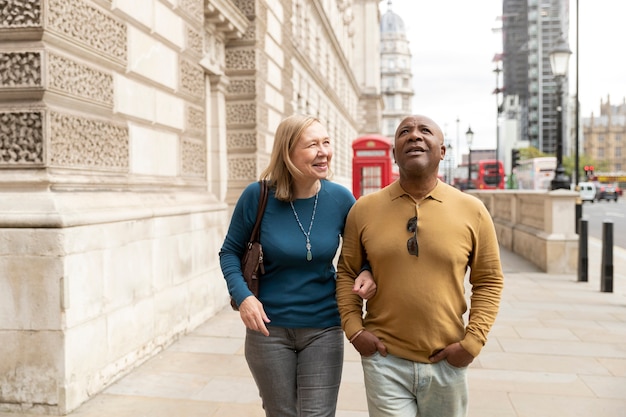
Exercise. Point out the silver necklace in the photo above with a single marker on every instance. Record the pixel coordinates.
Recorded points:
(307, 235)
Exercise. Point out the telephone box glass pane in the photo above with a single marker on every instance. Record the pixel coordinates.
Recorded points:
(371, 179)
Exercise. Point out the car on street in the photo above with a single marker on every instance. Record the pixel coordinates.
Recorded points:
(587, 191)
(606, 192)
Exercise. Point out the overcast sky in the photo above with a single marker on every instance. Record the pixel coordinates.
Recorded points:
(453, 44)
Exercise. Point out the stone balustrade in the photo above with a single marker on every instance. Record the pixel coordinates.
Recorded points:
(538, 225)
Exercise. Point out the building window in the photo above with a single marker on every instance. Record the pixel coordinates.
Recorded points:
(389, 102)
(600, 138)
(391, 127)
(618, 151)
(600, 152)
(406, 104)
(618, 138)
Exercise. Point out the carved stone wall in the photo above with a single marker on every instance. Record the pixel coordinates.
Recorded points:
(87, 143)
(241, 140)
(191, 79)
(193, 7)
(88, 25)
(74, 80)
(20, 14)
(194, 157)
(195, 120)
(106, 207)
(241, 113)
(242, 87)
(246, 7)
(194, 40)
(240, 59)
(21, 139)
(20, 69)
(298, 57)
(242, 169)
(81, 81)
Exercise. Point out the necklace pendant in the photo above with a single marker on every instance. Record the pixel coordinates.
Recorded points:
(307, 235)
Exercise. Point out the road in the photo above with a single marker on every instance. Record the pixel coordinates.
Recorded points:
(607, 211)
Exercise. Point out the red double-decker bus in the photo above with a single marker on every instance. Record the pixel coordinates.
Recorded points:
(487, 174)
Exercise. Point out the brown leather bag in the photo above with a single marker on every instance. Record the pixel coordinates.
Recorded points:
(252, 260)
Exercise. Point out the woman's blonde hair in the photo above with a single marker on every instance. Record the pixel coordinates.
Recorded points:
(281, 171)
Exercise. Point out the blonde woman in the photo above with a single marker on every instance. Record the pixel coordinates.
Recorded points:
(294, 342)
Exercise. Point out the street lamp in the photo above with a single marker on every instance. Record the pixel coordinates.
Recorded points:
(497, 92)
(559, 60)
(579, 203)
(449, 164)
(469, 137)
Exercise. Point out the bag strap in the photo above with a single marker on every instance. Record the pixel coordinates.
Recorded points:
(256, 231)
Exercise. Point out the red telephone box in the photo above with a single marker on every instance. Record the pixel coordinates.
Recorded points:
(371, 164)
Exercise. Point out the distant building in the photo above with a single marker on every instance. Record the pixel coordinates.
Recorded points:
(396, 74)
(604, 136)
(531, 29)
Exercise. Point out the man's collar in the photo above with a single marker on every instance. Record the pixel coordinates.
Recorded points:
(438, 193)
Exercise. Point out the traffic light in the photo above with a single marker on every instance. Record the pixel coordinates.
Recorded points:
(589, 171)
(514, 158)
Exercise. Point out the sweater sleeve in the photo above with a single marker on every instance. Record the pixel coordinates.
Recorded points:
(349, 265)
(487, 282)
(239, 230)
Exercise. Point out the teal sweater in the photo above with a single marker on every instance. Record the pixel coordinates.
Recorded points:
(295, 293)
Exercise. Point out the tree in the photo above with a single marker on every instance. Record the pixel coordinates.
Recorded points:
(569, 162)
(531, 152)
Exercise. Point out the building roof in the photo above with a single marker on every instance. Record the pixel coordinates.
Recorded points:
(390, 22)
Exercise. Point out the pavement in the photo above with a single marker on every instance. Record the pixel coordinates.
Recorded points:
(558, 348)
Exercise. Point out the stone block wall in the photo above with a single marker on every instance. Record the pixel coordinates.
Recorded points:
(110, 219)
(101, 300)
(83, 304)
(539, 225)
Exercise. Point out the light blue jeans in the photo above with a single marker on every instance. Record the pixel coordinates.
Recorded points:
(398, 387)
(297, 371)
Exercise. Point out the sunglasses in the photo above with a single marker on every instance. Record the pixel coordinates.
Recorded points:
(411, 244)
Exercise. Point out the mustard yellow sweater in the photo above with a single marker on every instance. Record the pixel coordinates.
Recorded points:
(420, 302)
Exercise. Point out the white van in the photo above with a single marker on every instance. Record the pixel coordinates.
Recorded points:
(587, 191)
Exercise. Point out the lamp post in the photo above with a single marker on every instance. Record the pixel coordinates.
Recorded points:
(450, 158)
(559, 59)
(579, 203)
(469, 137)
(497, 92)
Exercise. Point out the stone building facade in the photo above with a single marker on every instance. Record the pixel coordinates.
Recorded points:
(396, 71)
(604, 136)
(127, 131)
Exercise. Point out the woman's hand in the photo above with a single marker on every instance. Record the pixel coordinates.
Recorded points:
(253, 315)
(364, 285)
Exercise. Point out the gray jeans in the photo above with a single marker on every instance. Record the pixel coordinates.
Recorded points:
(297, 371)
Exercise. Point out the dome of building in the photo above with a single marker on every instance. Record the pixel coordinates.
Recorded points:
(390, 22)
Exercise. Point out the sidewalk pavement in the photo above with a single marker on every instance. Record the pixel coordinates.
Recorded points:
(558, 348)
